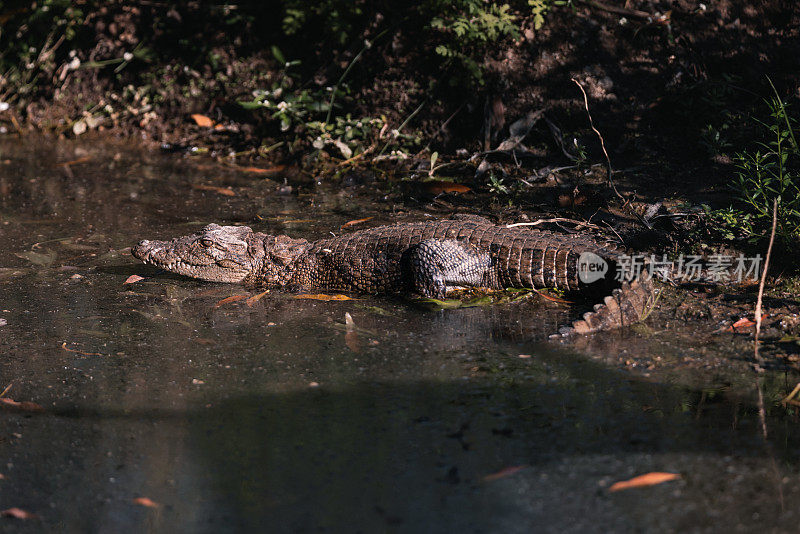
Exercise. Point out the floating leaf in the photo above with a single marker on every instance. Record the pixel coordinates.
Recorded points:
(348, 224)
(503, 473)
(228, 300)
(227, 191)
(24, 406)
(255, 298)
(17, 513)
(202, 120)
(649, 479)
(320, 296)
(438, 187)
(83, 159)
(260, 170)
(43, 259)
(146, 502)
(132, 279)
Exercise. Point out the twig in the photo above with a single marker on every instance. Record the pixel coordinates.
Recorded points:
(788, 399)
(618, 10)
(602, 143)
(3, 394)
(762, 415)
(553, 220)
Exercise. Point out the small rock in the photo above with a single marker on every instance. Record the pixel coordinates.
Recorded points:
(3, 322)
(197, 381)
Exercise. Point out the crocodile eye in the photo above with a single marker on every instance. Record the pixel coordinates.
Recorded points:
(206, 242)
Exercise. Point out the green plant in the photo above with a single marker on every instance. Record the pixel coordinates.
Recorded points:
(772, 171)
(467, 28)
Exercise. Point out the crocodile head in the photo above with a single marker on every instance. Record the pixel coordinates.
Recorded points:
(216, 254)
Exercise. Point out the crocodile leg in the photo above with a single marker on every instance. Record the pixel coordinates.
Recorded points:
(437, 265)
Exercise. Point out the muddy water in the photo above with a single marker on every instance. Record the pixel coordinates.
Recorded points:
(270, 415)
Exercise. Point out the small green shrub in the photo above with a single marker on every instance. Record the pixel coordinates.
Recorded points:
(772, 171)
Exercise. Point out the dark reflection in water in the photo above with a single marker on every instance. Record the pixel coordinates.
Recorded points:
(274, 417)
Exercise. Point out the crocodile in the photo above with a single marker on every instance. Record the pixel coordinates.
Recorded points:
(426, 258)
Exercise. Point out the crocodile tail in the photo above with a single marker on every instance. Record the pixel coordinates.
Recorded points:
(626, 305)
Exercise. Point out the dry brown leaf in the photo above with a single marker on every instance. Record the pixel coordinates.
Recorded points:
(144, 501)
(260, 170)
(64, 346)
(83, 159)
(438, 187)
(132, 279)
(17, 513)
(348, 224)
(508, 471)
(202, 120)
(228, 300)
(24, 406)
(255, 298)
(227, 191)
(320, 296)
(649, 479)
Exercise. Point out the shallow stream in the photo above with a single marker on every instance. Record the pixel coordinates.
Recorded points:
(271, 415)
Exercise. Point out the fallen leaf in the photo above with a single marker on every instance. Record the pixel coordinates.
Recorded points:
(2, 476)
(744, 322)
(552, 298)
(24, 406)
(43, 259)
(649, 479)
(228, 300)
(17, 513)
(227, 191)
(83, 159)
(202, 120)
(320, 296)
(255, 298)
(64, 346)
(438, 187)
(259, 170)
(503, 473)
(144, 501)
(132, 279)
(348, 224)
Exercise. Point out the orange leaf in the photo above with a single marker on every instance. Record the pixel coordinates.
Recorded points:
(202, 120)
(83, 159)
(259, 170)
(24, 406)
(227, 191)
(356, 221)
(508, 471)
(17, 513)
(132, 279)
(438, 186)
(649, 479)
(228, 300)
(144, 501)
(320, 296)
(255, 298)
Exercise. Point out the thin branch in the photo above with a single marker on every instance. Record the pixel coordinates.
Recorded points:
(762, 416)
(602, 142)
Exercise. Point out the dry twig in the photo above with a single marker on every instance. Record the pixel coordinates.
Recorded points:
(602, 142)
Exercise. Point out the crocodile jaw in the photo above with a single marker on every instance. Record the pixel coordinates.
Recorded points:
(218, 254)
